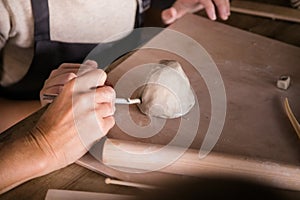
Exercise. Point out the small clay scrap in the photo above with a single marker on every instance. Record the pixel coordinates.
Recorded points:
(283, 82)
(167, 93)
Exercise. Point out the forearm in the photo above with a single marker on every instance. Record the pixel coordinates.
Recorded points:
(55, 142)
(21, 160)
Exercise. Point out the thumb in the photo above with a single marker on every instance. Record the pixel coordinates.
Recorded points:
(169, 15)
(179, 9)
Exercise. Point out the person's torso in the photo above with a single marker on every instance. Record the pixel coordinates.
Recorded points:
(76, 21)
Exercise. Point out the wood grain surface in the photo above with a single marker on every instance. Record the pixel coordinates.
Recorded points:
(256, 126)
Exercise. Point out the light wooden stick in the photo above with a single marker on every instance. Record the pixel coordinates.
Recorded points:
(130, 184)
(292, 117)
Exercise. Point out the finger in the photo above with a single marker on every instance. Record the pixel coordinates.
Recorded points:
(59, 80)
(87, 66)
(91, 63)
(108, 123)
(187, 6)
(47, 96)
(69, 66)
(55, 90)
(209, 9)
(228, 7)
(169, 15)
(222, 8)
(65, 69)
(179, 9)
(46, 101)
(102, 76)
(75, 68)
(105, 94)
(89, 80)
(105, 109)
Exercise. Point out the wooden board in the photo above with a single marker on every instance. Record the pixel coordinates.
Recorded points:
(256, 126)
(266, 10)
(249, 65)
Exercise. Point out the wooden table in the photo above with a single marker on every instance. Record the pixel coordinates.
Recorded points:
(256, 127)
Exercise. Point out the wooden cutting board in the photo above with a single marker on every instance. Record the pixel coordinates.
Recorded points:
(256, 127)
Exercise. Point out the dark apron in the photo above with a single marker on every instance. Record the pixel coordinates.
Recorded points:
(48, 55)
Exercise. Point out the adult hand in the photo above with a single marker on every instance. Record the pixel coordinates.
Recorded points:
(78, 117)
(182, 7)
(60, 76)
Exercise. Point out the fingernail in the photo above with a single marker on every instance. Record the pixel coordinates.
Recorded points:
(91, 63)
(169, 15)
(213, 16)
(87, 61)
(228, 12)
(114, 109)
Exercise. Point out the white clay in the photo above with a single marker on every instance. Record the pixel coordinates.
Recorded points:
(167, 93)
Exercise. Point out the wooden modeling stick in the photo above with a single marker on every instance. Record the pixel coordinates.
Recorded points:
(292, 117)
(130, 184)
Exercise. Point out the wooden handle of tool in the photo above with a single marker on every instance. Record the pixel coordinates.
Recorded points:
(129, 184)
